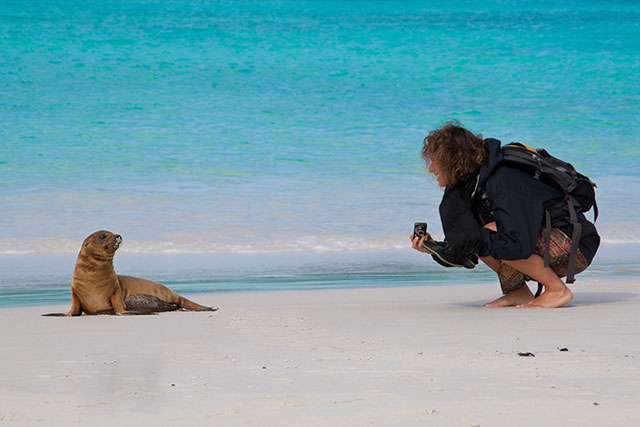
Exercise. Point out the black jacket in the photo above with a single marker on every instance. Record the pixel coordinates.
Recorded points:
(516, 202)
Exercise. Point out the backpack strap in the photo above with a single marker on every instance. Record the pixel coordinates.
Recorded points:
(575, 241)
(547, 236)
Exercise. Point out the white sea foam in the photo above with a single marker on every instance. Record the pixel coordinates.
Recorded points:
(614, 233)
(611, 234)
(198, 245)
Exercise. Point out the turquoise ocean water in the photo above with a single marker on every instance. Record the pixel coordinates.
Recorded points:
(240, 145)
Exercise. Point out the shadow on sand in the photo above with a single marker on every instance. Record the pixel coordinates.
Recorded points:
(579, 299)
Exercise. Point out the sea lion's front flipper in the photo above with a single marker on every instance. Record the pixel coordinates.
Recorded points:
(75, 310)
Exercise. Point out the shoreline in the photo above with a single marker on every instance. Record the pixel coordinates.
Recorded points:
(386, 356)
(37, 280)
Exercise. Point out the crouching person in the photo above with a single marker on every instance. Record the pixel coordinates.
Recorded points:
(502, 215)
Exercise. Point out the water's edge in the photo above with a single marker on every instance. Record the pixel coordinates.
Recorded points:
(34, 280)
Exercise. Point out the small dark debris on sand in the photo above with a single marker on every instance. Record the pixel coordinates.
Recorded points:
(526, 354)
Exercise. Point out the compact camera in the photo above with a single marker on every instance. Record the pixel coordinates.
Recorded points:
(419, 229)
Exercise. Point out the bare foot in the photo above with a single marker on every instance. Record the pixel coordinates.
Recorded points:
(520, 296)
(550, 299)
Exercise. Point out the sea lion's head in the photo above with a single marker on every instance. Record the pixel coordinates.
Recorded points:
(101, 244)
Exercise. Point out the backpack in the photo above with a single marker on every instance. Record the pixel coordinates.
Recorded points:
(579, 191)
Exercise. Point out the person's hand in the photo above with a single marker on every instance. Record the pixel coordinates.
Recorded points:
(416, 242)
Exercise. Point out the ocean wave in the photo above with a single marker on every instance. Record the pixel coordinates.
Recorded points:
(197, 245)
(619, 233)
(611, 234)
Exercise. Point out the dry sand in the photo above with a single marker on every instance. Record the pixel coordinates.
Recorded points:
(394, 356)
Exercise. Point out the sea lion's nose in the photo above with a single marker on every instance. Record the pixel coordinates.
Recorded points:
(118, 240)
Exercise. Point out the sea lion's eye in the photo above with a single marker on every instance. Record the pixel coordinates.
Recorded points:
(103, 236)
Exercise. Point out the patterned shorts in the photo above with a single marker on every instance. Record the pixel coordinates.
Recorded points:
(559, 247)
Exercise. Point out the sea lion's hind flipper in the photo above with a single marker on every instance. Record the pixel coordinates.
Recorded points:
(200, 309)
(207, 309)
(148, 304)
(188, 305)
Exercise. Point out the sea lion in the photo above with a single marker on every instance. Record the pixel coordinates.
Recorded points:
(97, 289)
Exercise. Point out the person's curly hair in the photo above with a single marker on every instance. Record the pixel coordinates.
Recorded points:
(457, 152)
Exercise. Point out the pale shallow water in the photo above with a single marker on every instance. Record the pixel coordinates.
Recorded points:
(46, 279)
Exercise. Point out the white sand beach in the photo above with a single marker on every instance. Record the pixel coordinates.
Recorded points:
(393, 356)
